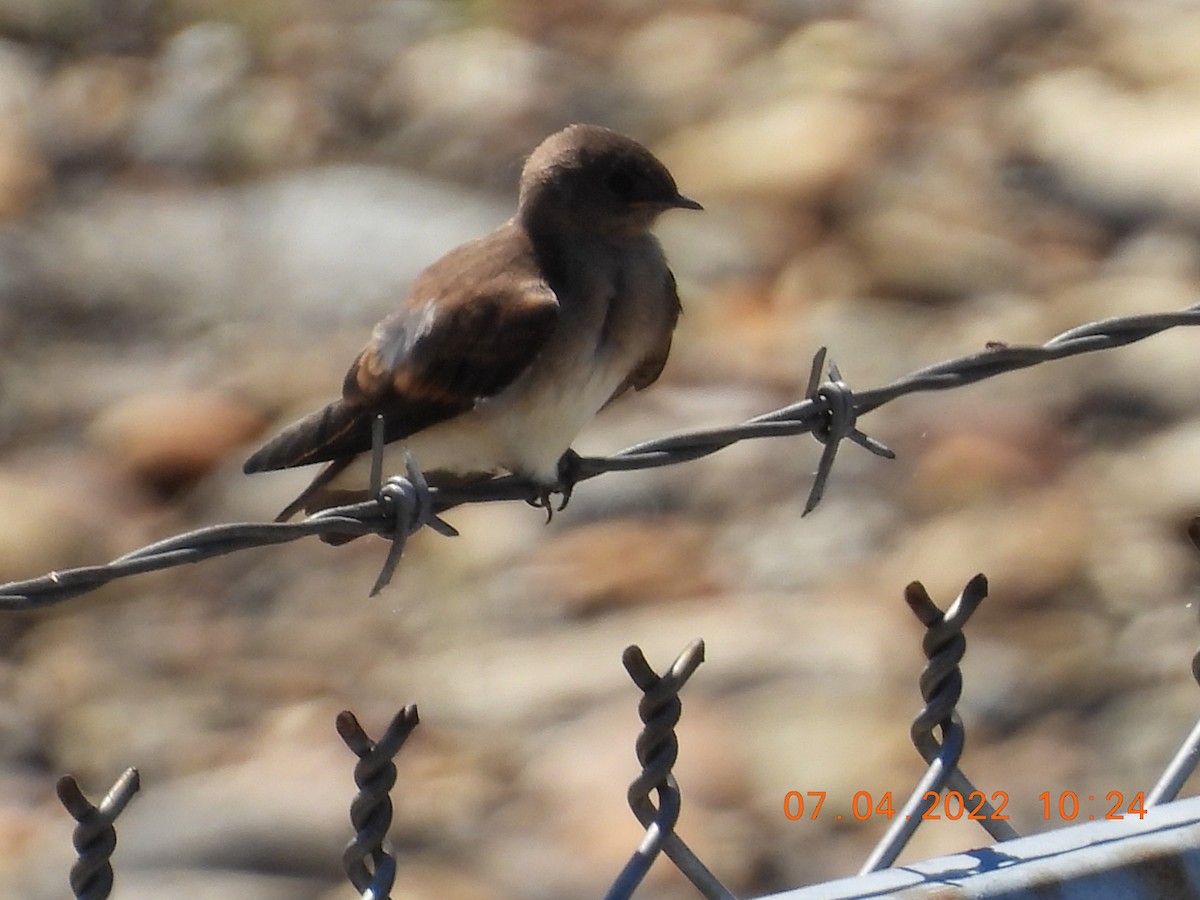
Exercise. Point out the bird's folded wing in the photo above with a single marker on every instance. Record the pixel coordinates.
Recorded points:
(432, 360)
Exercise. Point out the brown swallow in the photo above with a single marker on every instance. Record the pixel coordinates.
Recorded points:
(507, 346)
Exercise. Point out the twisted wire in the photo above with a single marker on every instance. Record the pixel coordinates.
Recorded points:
(371, 809)
(941, 684)
(657, 749)
(830, 411)
(95, 837)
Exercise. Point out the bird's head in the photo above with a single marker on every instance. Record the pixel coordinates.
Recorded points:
(590, 179)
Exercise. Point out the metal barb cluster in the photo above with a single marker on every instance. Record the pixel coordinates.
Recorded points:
(838, 400)
(657, 749)
(401, 506)
(371, 809)
(95, 838)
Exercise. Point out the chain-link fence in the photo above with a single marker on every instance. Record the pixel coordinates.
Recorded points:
(830, 412)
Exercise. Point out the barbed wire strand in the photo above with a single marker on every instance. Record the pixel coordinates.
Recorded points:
(401, 507)
(371, 809)
(657, 749)
(95, 838)
(941, 685)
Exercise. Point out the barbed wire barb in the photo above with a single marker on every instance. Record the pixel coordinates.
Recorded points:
(838, 402)
(95, 838)
(830, 408)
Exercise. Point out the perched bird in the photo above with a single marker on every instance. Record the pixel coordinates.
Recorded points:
(507, 346)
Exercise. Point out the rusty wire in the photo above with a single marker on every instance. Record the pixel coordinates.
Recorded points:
(404, 505)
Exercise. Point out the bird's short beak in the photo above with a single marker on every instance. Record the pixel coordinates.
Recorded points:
(682, 202)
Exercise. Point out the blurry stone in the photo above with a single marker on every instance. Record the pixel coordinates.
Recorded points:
(185, 118)
(49, 20)
(743, 330)
(45, 523)
(1128, 153)
(966, 464)
(289, 771)
(272, 123)
(846, 56)
(602, 567)
(934, 226)
(311, 248)
(796, 149)
(171, 438)
(1036, 662)
(1163, 251)
(1139, 555)
(451, 110)
(1149, 44)
(672, 53)
(23, 170)
(1170, 630)
(925, 29)
(85, 110)
(210, 883)
(1030, 545)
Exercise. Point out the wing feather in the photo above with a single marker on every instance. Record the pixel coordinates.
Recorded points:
(473, 322)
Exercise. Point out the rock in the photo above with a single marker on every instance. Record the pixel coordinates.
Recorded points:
(791, 150)
(667, 57)
(453, 116)
(965, 464)
(925, 29)
(934, 222)
(23, 170)
(169, 439)
(45, 523)
(1149, 45)
(86, 109)
(313, 248)
(1030, 546)
(185, 117)
(609, 565)
(1127, 153)
(50, 20)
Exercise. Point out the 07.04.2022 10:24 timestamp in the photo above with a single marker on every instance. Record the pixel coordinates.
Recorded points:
(953, 805)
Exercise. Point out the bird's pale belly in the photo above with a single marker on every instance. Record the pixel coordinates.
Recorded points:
(524, 429)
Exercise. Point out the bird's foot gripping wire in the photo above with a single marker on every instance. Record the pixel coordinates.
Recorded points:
(569, 470)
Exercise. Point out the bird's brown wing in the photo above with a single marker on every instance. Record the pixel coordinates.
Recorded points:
(646, 372)
(473, 323)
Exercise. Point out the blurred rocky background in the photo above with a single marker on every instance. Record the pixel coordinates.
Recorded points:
(205, 205)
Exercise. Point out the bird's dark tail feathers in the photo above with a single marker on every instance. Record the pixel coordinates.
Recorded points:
(330, 433)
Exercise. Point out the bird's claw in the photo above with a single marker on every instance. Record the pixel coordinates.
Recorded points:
(568, 474)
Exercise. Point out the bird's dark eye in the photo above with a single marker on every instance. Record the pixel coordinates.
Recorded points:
(620, 183)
